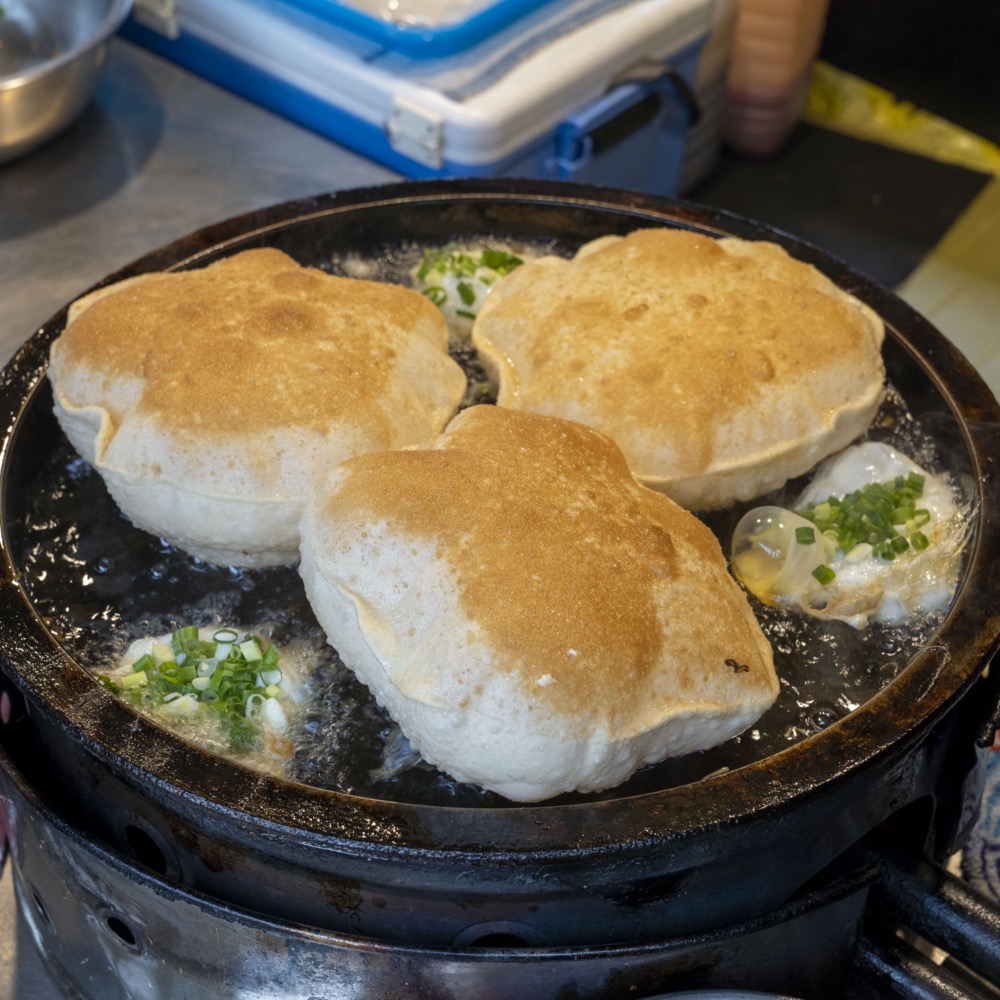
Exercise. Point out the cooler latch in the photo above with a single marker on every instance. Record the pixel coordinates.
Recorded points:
(416, 133)
(647, 113)
(157, 15)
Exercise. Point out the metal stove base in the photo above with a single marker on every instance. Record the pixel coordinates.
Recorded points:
(106, 930)
(110, 931)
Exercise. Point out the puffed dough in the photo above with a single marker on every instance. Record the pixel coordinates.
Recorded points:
(534, 619)
(721, 367)
(210, 399)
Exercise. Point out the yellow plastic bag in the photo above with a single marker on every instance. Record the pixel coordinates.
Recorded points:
(845, 103)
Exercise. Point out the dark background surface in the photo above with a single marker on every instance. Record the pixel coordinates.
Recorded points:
(879, 208)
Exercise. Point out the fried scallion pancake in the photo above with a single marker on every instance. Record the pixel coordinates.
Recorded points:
(209, 399)
(721, 367)
(534, 619)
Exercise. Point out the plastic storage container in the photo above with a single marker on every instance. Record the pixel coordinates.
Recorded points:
(773, 48)
(422, 28)
(600, 91)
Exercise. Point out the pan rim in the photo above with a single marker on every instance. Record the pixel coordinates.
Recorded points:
(811, 767)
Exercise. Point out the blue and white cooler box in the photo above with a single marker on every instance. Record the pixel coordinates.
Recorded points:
(599, 91)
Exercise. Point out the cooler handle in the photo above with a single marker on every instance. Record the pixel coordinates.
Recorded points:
(635, 101)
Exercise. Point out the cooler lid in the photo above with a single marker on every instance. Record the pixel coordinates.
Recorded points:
(421, 28)
(475, 108)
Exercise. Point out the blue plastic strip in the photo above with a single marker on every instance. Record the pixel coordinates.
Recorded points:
(423, 42)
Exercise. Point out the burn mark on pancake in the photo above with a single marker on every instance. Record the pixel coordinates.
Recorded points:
(648, 373)
(286, 318)
(541, 355)
(758, 366)
(303, 281)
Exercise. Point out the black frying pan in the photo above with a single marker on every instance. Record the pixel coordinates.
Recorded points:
(867, 722)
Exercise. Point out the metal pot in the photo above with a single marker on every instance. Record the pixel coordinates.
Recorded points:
(51, 52)
(675, 851)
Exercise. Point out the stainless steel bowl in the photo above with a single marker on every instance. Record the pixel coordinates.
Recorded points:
(51, 52)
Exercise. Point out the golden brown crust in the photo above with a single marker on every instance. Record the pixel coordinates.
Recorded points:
(308, 347)
(210, 399)
(698, 356)
(569, 569)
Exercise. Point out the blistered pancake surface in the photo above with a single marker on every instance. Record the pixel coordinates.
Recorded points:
(209, 399)
(721, 367)
(534, 619)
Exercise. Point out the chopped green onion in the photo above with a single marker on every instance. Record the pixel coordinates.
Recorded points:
(450, 260)
(231, 678)
(884, 550)
(827, 511)
(919, 541)
(805, 536)
(144, 662)
(441, 266)
(500, 260)
(162, 652)
(824, 574)
(183, 635)
(878, 515)
(251, 650)
(183, 704)
(107, 682)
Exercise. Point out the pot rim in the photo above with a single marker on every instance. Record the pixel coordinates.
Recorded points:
(85, 47)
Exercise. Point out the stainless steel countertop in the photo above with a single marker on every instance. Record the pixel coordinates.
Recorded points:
(157, 154)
